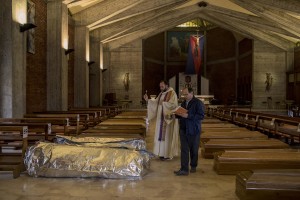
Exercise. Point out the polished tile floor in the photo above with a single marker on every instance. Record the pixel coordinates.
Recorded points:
(160, 183)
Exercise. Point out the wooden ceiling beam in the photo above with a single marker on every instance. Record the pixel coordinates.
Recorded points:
(285, 5)
(253, 20)
(254, 33)
(286, 21)
(149, 31)
(162, 19)
(143, 8)
(103, 11)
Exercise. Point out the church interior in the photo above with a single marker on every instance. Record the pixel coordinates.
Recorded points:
(74, 121)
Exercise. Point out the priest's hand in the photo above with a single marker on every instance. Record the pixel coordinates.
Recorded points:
(146, 97)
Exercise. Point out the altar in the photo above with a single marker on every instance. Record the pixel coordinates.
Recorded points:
(205, 98)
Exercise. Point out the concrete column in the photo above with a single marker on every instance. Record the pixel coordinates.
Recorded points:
(12, 58)
(95, 71)
(81, 70)
(57, 63)
(101, 96)
(290, 60)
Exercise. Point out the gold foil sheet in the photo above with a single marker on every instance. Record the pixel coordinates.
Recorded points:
(58, 160)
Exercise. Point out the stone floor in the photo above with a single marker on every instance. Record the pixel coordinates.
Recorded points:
(160, 183)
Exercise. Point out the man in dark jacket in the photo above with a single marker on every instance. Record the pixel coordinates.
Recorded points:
(190, 130)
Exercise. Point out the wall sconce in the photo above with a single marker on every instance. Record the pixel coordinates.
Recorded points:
(103, 70)
(68, 51)
(26, 27)
(90, 63)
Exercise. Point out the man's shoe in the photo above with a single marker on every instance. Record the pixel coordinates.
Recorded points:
(193, 170)
(181, 173)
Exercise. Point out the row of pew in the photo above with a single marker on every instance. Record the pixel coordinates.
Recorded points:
(278, 126)
(265, 168)
(16, 134)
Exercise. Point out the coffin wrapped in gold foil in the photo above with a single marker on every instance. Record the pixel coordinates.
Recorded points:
(138, 144)
(58, 160)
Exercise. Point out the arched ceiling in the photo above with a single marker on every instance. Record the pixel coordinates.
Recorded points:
(117, 22)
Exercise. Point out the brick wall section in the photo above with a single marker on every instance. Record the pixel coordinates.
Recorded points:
(154, 47)
(222, 81)
(220, 44)
(297, 59)
(244, 79)
(71, 67)
(296, 91)
(36, 67)
(221, 75)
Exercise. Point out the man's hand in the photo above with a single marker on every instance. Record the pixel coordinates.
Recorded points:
(184, 115)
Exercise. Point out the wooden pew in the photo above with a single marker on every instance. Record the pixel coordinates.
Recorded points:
(104, 113)
(58, 125)
(219, 125)
(289, 129)
(274, 184)
(93, 119)
(36, 131)
(113, 110)
(212, 121)
(267, 125)
(233, 161)
(225, 129)
(245, 134)
(273, 125)
(116, 109)
(215, 145)
(79, 122)
(13, 143)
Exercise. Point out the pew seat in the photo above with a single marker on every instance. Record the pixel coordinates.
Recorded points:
(215, 145)
(233, 161)
(13, 144)
(78, 122)
(59, 126)
(275, 184)
(36, 131)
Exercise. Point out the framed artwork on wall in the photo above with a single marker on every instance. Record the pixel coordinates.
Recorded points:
(177, 45)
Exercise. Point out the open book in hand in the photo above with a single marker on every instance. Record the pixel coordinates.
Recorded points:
(180, 110)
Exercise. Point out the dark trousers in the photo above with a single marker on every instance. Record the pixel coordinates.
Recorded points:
(189, 149)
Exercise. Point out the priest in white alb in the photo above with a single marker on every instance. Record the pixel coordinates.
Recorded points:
(166, 136)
